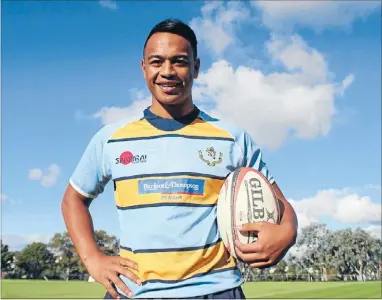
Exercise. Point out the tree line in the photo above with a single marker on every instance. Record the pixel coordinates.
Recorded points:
(320, 254)
(57, 259)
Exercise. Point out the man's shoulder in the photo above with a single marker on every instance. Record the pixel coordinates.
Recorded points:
(236, 131)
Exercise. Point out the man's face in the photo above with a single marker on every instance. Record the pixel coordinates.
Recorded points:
(169, 68)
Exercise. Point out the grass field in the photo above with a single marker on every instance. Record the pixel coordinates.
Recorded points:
(80, 289)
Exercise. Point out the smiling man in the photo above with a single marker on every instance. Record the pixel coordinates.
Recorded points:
(168, 167)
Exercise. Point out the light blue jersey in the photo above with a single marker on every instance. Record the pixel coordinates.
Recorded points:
(167, 175)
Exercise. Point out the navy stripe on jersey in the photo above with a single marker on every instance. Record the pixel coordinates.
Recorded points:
(172, 136)
(254, 159)
(165, 204)
(172, 249)
(170, 175)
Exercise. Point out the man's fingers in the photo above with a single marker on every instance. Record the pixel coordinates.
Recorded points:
(128, 263)
(128, 274)
(256, 226)
(260, 265)
(122, 286)
(110, 289)
(249, 248)
(251, 257)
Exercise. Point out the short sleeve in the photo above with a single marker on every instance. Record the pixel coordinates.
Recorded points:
(253, 157)
(92, 172)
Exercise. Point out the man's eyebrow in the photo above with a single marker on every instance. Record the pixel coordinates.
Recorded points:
(154, 56)
(183, 56)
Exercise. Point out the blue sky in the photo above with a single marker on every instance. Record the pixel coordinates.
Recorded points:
(70, 67)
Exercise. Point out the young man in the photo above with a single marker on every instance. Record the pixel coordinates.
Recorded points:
(168, 167)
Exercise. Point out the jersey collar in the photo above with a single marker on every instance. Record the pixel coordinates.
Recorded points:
(170, 124)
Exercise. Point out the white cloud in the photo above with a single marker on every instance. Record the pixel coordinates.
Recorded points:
(271, 107)
(297, 99)
(5, 199)
(48, 178)
(110, 4)
(344, 206)
(373, 187)
(319, 15)
(51, 176)
(296, 56)
(346, 83)
(112, 114)
(375, 231)
(217, 26)
(35, 174)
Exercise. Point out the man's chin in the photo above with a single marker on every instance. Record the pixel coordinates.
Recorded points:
(171, 100)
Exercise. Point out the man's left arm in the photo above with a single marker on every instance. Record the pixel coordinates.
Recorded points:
(274, 240)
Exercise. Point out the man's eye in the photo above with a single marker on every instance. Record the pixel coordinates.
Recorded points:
(155, 62)
(181, 62)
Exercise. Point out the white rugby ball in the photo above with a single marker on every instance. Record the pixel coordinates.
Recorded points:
(245, 197)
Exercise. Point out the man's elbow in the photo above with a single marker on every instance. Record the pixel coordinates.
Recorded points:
(72, 200)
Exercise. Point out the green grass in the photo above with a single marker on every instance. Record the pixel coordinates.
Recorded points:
(80, 289)
(344, 290)
(50, 289)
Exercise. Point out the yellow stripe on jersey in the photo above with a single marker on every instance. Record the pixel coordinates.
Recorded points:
(136, 129)
(143, 129)
(128, 192)
(180, 265)
(204, 129)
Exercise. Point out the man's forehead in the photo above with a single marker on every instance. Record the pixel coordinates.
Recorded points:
(167, 43)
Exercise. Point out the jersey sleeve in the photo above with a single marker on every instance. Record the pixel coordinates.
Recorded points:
(92, 172)
(253, 157)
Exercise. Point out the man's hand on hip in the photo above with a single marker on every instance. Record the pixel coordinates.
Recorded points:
(106, 269)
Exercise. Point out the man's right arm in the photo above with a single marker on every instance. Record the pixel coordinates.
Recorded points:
(86, 183)
(104, 269)
(75, 210)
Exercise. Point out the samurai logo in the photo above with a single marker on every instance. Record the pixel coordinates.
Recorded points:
(212, 161)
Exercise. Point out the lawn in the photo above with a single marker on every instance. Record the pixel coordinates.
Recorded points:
(80, 289)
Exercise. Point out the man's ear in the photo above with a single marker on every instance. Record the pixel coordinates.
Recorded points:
(143, 68)
(196, 68)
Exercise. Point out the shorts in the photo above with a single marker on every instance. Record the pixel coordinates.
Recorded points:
(235, 293)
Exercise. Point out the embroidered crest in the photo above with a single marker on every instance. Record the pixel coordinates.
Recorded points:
(212, 154)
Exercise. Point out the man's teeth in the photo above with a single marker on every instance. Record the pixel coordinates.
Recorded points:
(169, 85)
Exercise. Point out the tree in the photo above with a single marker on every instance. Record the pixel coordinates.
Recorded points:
(67, 258)
(280, 271)
(345, 252)
(108, 244)
(316, 241)
(34, 259)
(7, 258)
(355, 252)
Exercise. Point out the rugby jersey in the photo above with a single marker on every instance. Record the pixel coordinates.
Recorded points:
(167, 175)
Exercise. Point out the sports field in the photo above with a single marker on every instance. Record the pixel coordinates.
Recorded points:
(80, 289)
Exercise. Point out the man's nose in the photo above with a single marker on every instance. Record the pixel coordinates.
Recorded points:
(167, 69)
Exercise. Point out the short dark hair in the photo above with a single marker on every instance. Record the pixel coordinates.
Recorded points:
(176, 27)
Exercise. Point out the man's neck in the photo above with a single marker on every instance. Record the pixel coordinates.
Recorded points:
(171, 111)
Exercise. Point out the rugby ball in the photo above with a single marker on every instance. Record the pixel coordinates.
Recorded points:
(245, 197)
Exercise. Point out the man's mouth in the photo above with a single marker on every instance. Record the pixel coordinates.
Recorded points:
(168, 87)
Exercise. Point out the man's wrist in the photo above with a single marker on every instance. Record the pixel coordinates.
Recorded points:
(90, 255)
(290, 232)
